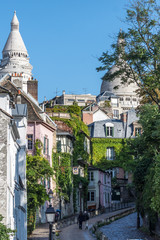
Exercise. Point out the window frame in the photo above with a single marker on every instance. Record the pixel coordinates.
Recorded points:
(109, 129)
(91, 176)
(31, 141)
(110, 153)
(91, 196)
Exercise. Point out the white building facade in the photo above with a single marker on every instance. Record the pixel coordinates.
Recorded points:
(13, 196)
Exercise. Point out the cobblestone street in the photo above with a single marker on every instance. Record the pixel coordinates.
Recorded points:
(121, 229)
(124, 229)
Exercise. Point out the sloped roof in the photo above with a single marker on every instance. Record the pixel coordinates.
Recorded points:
(121, 129)
(34, 111)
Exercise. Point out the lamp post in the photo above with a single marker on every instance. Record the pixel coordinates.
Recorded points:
(80, 188)
(50, 215)
(50, 194)
(99, 184)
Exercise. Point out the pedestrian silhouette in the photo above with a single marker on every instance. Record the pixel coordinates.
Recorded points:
(80, 219)
(86, 218)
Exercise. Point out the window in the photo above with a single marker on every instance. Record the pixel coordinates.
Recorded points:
(48, 183)
(110, 153)
(80, 100)
(90, 176)
(59, 146)
(46, 146)
(121, 98)
(138, 131)
(116, 113)
(30, 141)
(109, 131)
(91, 196)
(105, 197)
(105, 179)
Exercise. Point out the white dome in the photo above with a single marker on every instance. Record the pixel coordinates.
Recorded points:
(14, 42)
(123, 89)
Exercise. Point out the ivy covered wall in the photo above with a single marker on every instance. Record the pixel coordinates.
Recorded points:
(63, 163)
(123, 155)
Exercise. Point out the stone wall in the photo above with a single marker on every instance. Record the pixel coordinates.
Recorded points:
(3, 164)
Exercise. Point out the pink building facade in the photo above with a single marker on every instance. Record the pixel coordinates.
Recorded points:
(99, 188)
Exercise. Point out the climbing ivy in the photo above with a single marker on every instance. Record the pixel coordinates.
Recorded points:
(80, 131)
(123, 155)
(62, 166)
(5, 232)
(37, 168)
(65, 109)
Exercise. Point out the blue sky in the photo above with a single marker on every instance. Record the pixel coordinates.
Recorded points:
(64, 38)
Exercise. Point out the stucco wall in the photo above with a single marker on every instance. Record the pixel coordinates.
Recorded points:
(3, 164)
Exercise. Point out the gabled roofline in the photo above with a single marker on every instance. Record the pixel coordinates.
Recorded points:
(29, 101)
(6, 113)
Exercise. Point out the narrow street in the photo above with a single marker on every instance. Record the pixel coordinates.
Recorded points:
(121, 229)
(124, 229)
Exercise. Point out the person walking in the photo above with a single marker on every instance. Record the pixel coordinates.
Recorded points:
(86, 218)
(80, 219)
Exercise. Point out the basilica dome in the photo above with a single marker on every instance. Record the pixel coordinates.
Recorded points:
(123, 89)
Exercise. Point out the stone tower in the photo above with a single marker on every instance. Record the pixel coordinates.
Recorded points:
(15, 61)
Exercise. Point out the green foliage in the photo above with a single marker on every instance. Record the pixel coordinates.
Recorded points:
(155, 200)
(124, 157)
(146, 150)
(75, 109)
(76, 180)
(37, 168)
(62, 165)
(80, 130)
(137, 53)
(5, 232)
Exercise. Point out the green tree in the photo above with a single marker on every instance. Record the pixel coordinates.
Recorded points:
(38, 169)
(137, 54)
(146, 149)
(5, 232)
(136, 58)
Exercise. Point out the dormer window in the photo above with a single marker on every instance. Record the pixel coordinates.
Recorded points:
(109, 130)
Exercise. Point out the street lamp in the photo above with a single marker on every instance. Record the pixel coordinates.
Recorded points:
(50, 215)
(99, 184)
(50, 194)
(80, 188)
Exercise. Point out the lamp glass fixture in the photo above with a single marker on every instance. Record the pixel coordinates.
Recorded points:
(50, 214)
(50, 194)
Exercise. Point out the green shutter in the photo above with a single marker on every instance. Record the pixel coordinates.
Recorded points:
(112, 131)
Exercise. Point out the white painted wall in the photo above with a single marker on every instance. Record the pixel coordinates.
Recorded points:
(4, 102)
(21, 198)
(99, 115)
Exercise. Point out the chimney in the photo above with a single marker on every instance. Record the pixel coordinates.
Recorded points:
(63, 92)
(19, 97)
(32, 88)
(124, 117)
